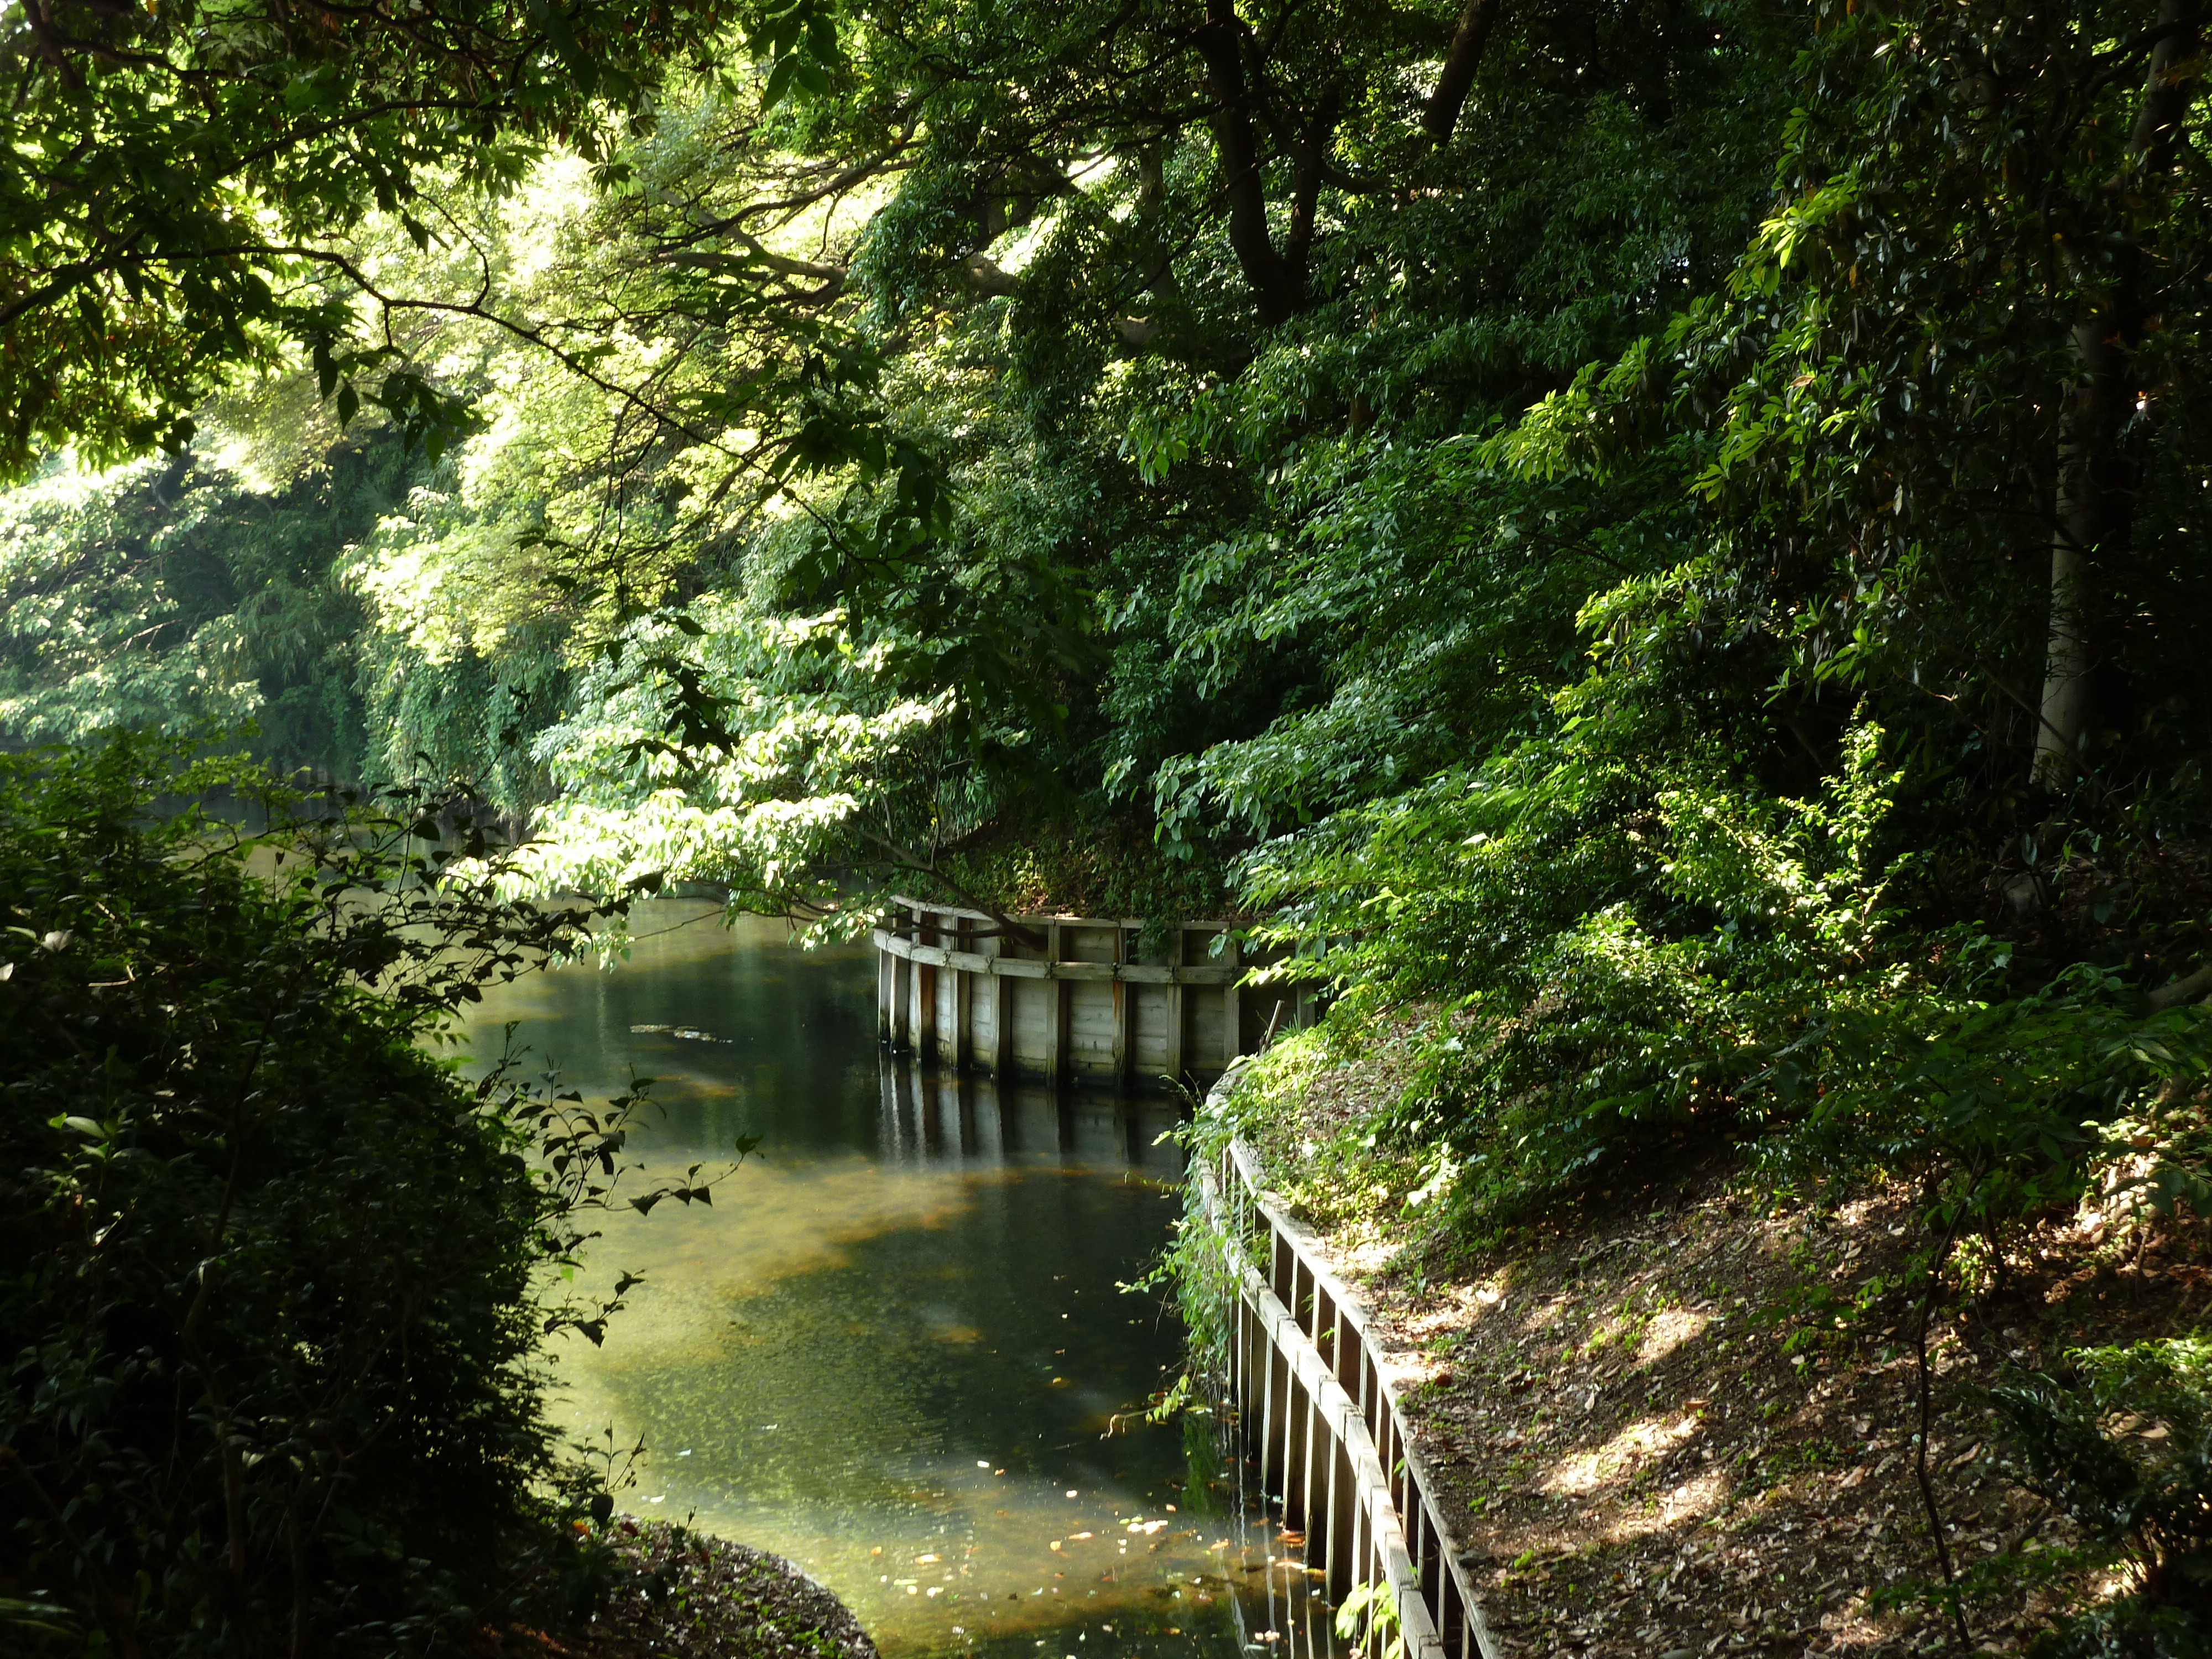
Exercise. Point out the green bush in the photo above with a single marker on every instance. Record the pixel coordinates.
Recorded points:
(270, 1317)
(2124, 1449)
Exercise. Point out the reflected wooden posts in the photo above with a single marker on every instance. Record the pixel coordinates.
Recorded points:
(964, 1094)
(929, 1117)
(893, 1135)
(1009, 1125)
(1072, 1000)
(935, 1115)
(1321, 1424)
(1054, 1059)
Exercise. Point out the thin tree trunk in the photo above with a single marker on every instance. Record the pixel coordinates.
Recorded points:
(1310, 165)
(2090, 512)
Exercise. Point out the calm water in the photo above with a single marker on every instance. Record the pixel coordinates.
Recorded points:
(896, 1348)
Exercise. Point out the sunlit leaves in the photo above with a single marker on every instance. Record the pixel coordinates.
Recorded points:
(802, 759)
(179, 222)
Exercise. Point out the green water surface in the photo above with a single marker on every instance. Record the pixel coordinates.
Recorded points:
(896, 1348)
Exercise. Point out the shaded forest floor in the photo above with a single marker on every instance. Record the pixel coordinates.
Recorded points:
(667, 1593)
(1655, 1435)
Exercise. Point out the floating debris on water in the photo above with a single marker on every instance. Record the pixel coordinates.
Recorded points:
(686, 1033)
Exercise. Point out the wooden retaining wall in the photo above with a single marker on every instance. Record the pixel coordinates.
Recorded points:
(1321, 1421)
(1077, 1002)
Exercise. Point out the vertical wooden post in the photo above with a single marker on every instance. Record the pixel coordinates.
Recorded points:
(1344, 1353)
(1240, 1368)
(1232, 1006)
(901, 1004)
(1002, 1027)
(1271, 1362)
(886, 988)
(1342, 1490)
(925, 996)
(1056, 1010)
(1124, 1050)
(1174, 1067)
(1000, 1054)
(961, 1050)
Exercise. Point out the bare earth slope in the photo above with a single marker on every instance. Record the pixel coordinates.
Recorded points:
(1656, 1437)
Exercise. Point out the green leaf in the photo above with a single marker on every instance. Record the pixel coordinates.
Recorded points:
(779, 81)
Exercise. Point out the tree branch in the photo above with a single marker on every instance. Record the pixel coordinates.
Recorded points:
(1468, 40)
(987, 277)
(830, 278)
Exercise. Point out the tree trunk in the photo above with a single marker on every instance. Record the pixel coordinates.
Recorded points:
(1221, 45)
(2092, 514)
(2096, 488)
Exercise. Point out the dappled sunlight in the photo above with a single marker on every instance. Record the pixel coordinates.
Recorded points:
(1681, 1506)
(697, 1262)
(1367, 1257)
(1667, 1331)
(998, 1554)
(1581, 1474)
(1548, 1315)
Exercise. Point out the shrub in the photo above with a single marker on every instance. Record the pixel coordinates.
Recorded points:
(270, 1317)
(2124, 1448)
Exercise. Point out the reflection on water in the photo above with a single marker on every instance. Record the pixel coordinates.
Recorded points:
(896, 1348)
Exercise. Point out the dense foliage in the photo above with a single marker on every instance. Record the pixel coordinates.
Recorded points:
(2123, 1446)
(273, 1309)
(1662, 533)
(176, 179)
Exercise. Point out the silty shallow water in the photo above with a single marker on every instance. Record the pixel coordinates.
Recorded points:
(896, 1348)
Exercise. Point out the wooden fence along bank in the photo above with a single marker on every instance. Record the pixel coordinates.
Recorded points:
(1321, 1420)
(1074, 1000)
(1070, 999)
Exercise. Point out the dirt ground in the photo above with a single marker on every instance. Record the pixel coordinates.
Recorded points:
(1654, 1436)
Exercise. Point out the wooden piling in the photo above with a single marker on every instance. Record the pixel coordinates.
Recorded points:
(957, 988)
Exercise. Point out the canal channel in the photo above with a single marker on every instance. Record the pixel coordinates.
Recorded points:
(899, 1346)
